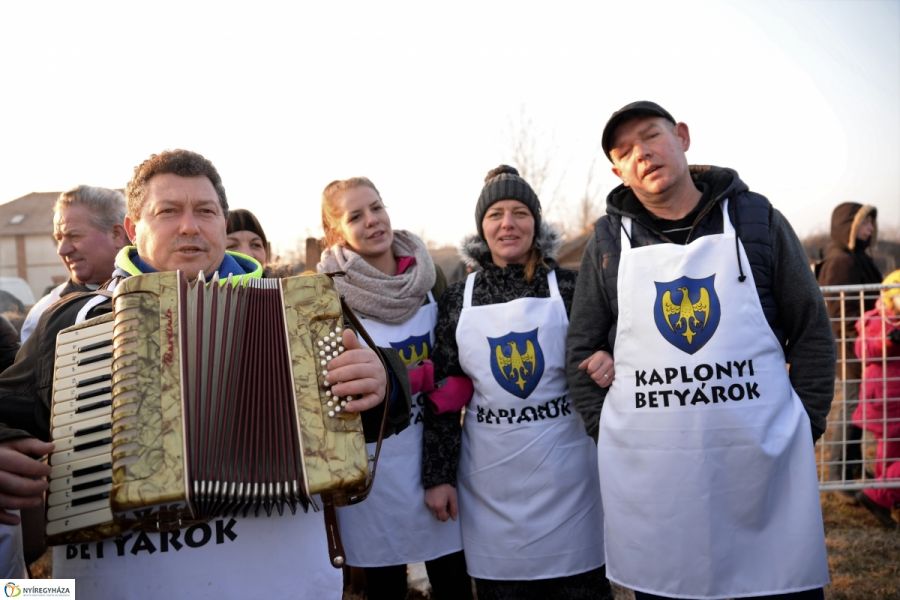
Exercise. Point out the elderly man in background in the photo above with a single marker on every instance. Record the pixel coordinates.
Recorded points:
(88, 229)
(89, 232)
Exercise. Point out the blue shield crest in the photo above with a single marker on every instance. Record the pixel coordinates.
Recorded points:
(517, 362)
(687, 311)
(413, 349)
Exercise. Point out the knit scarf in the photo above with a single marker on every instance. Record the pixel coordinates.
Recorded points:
(371, 293)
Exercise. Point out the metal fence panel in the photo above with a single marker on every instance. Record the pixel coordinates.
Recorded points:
(862, 442)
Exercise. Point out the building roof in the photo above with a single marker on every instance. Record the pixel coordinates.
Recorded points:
(31, 214)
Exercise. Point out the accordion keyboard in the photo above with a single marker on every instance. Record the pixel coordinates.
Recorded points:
(81, 422)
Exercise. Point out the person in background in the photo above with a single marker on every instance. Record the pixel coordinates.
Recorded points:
(177, 210)
(878, 411)
(9, 342)
(87, 227)
(854, 231)
(391, 282)
(246, 235)
(12, 559)
(522, 472)
(88, 230)
(701, 293)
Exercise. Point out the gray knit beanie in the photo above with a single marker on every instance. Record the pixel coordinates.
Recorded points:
(504, 183)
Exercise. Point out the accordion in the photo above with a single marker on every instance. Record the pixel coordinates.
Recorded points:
(196, 400)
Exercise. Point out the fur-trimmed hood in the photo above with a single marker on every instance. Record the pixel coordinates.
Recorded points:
(475, 253)
(845, 221)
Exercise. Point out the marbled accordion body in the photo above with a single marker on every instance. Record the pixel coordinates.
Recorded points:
(194, 400)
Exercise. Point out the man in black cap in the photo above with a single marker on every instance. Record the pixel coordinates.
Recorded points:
(705, 441)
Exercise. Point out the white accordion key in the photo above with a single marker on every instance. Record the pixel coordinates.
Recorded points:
(73, 376)
(88, 450)
(79, 506)
(80, 521)
(83, 391)
(75, 473)
(88, 410)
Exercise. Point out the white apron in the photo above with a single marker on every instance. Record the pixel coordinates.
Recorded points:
(392, 526)
(705, 451)
(529, 497)
(265, 557)
(12, 560)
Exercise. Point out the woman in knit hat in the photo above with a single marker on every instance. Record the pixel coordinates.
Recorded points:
(391, 282)
(246, 235)
(520, 471)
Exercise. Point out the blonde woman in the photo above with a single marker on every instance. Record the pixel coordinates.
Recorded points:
(391, 282)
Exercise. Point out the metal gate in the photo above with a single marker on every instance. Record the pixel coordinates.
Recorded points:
(862, 440)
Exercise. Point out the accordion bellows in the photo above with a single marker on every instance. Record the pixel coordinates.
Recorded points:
(219, 403)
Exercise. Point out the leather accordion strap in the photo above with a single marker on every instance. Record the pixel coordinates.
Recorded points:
(335, 546)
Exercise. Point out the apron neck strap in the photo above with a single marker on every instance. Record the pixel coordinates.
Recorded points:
(551, 283)
(626, 233)
(470, 285)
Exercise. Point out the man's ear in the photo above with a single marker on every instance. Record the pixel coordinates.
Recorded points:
(618, 173)
(681, 130)
(120, 237)
(130, 228)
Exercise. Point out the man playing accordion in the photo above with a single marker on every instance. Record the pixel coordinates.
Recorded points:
(176, 218)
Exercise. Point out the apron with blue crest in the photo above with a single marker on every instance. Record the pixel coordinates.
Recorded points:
(392, 526)
(529, 498)
(705, 452)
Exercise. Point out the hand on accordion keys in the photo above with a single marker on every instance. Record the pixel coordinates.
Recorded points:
(359, 373)
(23, 478)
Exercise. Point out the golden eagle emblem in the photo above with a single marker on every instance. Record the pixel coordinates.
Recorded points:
(516, 367)
(686, 311)
(517, 362)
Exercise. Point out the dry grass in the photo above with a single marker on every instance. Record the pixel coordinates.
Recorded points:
(863, 556)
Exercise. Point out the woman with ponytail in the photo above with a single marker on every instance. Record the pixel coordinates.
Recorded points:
(391, 282)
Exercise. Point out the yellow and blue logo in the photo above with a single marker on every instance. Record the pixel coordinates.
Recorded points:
(687, 311)
(12, 590)
(413, 349)
(517, 362)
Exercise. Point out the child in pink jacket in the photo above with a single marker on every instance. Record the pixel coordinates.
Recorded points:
(878, 345)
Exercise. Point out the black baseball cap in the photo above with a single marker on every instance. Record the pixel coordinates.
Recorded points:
(635, 109)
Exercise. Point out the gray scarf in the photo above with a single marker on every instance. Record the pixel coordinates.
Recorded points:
(371, 293)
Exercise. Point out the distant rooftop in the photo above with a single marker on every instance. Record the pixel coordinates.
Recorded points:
(31, 214)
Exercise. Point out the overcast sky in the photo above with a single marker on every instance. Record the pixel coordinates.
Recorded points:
(800, 97)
